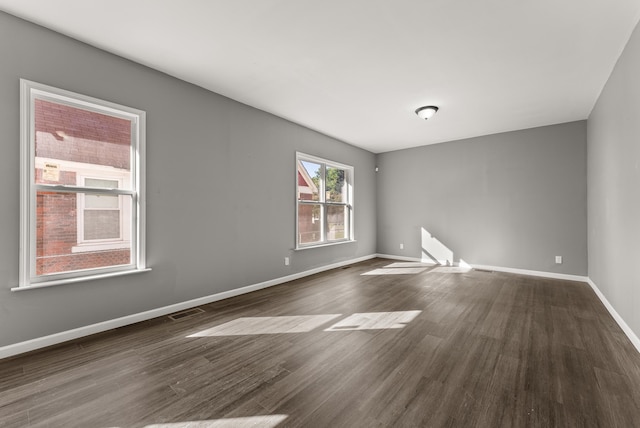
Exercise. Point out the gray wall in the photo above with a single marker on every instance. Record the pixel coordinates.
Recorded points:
(613, 181)
(220, 182)
(512, 200)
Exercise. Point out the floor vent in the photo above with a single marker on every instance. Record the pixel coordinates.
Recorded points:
(484, 270)
(186, 314)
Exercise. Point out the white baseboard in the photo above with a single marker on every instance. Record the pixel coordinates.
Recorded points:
(538, 273)
(623, 325)
(64, 336)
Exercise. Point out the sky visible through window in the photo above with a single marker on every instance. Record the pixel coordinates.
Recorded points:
(313, 169)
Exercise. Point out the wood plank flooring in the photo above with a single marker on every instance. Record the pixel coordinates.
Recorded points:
(342, 349)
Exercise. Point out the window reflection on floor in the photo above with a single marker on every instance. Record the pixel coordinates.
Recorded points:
(268, 325)
(375, 321)
(414, 268)
(265, 421)
(305, 323)
(409, 265)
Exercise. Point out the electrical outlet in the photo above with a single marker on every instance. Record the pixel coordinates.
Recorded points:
(286, 261)
(558, 260)
(402, 246)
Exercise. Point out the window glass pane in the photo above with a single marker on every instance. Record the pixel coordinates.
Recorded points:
(68, 138)
(337, 222)
(309, 223)
(309, 180)
(101, 183)
(57, 241)
(335, 185)
(101, 201)
(101, 224)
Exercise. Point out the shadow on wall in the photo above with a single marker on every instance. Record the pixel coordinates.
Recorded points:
(435, 251)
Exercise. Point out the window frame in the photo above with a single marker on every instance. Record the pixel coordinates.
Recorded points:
(29, 92)
(324, 204)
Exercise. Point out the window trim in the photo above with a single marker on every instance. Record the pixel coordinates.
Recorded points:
(29, 91)
(324, 163)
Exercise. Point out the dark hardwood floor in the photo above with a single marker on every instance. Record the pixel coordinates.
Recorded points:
(341, 349)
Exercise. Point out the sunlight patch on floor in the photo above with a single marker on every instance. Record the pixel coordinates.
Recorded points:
(267, 325)
(395, 271)
(375, 321)
(305, 323)
(409, 265)
(266, 421)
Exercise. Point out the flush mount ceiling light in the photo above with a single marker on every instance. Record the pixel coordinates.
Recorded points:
(426, 112)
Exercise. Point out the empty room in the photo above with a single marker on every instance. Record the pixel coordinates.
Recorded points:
(279, 213)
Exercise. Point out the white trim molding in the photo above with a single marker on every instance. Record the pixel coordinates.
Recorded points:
(537, 273)
(616, 316)
(64, 336)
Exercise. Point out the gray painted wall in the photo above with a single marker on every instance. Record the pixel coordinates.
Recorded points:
(513, 200)
(614, 194)
(220, 183)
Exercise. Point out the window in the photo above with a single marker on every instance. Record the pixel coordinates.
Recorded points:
(82, 193)
(324, 209)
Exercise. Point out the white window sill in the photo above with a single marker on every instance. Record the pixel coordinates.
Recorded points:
(326, 244)
(78, 279)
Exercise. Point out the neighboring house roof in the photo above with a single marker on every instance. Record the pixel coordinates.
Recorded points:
(305, 183)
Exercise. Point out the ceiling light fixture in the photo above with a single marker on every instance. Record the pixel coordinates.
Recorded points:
(426, 112)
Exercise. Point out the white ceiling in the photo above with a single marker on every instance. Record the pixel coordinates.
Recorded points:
(357, 69)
